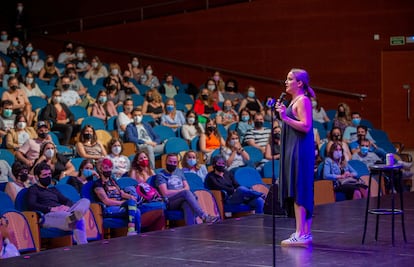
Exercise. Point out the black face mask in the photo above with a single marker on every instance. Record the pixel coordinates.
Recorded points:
(42, 135)
(65, 86)
(24, 177)
(230, 89)
(68, 49)
(87, 136)
(45, 181)
(211, 128)
(112, 87)
(171, 167)
(341, 113)
(204, 97)
(277, 136)
(107, 174)
(336, 137)
(49, 64)
(220, 168)
(150, 98)
(13, 87)
(258, 124)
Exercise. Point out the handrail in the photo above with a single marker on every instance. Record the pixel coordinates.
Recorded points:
(207, 68)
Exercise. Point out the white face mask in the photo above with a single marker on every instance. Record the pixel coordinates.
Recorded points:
(29, 80)
(80, 55)
(211, 87)
(135, 63)
(21, 125)
(314, 104)
(57, 99)
(34, 58)
(95, 64)
(148, 72)
(191, 121)
(49, 153)
(137, 119)
(114, 72)
(116, 150)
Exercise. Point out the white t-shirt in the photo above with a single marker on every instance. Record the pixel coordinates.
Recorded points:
(123, 119)
(70, 97)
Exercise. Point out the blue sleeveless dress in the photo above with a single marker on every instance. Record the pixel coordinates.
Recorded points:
(297, 157)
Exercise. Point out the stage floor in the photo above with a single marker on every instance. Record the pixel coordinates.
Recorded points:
(337, 235)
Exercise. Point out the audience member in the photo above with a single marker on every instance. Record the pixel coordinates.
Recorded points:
(318, 112)
(259, 135)
(233, 152)
(205, 104)
(227, 115)
(125, 117)
(4, 42)
(232, 93)
(140, 167)
(153, 105)
(221, 179)
(192, 128)
(114, 92)
(102, 108)
(16, 50)
(143, 136)
(274, 153)
(190, 163)
(7, 118)
(342, 117)
(59, 211)
(34, 63)
(49, 70)
(173, 185)
(80, 61)
(251, 101)
(96, 71)
(85, 174)
(20, 133)
(168, 88)
(335, 136)
(89, 147)
(135, 69)
(172, 118)
(217, 96)
(149, 79)
(69, 97)
(121, 164)
(67, 55)
(245, 124)
(350, 133)
(211, 139)
(30, 87)
(127, 86)
(23, 179)
(220, 84)
(13, 70)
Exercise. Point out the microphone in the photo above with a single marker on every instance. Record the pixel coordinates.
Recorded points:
(282, 97)
(271, 102)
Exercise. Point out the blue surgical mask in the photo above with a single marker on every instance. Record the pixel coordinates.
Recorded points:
(251, 94)
(15, 43)
(337, 155)
(87, 172)
(356, 121)
(245, 118)
(7, 113)
(191, 162)
(29, 49)
(170, 108)
(13, 70)
(364, 150)
(102, 99)
(4, 37)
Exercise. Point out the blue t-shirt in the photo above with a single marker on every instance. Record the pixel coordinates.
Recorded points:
(174, 181)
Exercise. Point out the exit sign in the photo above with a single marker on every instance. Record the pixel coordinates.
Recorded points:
(397, 40)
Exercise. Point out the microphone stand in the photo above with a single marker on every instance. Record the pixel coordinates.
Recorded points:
(272, 143)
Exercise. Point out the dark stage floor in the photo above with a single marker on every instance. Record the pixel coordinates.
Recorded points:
(337, 233)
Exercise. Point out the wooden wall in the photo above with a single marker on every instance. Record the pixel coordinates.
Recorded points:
(333, 40)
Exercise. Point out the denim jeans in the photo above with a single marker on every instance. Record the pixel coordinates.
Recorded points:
(58, 219)
(186, 201)
(248, 196)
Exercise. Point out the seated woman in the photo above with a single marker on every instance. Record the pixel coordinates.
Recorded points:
(172, 117)
(190, 164)
(205, 104)
(275, 152)
(33, 63)
(49, 70)
(135, 69)
(141, 168)
(13, 70)
(232, 92)
(342, 117)
(114, 93)
(121, 164)
(88, 146)
(86, 173)
(30, 87)
(211, 139)
(192, 127)
(102, 108)
(168, 88)
(58, 163)
(233, 152)
(21, 133)
(227, 115)
(318, 112)
(335, 135)
(149, 79)
(251, 101)
(336, 168)
(221, 179)
(80, 61)
(23, 179)
(153, 105)
(96, 71)
(246, 123)
(115, 199)
(61, 117)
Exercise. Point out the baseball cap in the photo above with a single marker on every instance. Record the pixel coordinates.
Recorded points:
(41, 124)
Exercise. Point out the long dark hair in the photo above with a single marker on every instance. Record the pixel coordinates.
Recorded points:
(196, 123)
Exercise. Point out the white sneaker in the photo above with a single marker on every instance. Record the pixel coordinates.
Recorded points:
(297, 241)
(132, 233)
(74, 217)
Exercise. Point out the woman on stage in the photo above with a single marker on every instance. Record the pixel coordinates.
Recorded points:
(297, 155)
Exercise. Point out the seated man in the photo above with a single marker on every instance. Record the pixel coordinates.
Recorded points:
(350, 133)
(259, 135)
(143, 136)
(172, 185)
(6, 117)
(59, 211)
(125, 117)
(362, 132)
(221, 179)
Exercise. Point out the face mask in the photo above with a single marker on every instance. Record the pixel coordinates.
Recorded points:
(34, 58)
(49, 153)
(337, 155)
(148, 72)
(137, 119)
(87, 136)
(227, 108)
(144, 163)
(102, 99)
(356, 121)
(29, 80)
(170, 108)
(171, 168)
(20, 8)
(336, 137)
(128, 109)
(116, 150)
(42, 135)
(23, 177)
(277, 136)
(94, 65)
(314, 104)
(191, 121)
(211, 128)
(107, 174)
(216, 78)
(232, 142)
(135, 63)
(258, 124)
(13, 70)
(219, 168)
(49, 64)
(45, 181)
(191, 162)
(114, 72)
(364, 150)
(341, 113)
(69, 49)
(86, 173)
(21, 125)
(112, 87)
(4, 37)
(57, 99)
(29, 49)
(150, 98)
(80, 55)
(230, 89)
(251, 94)
(13, 87)
(204, 97)
(72, 77)
(65, 86)
(15, 43)
(245, 118)
(7, 113)
(211, 87)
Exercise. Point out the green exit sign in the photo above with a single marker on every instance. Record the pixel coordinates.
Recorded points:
(397, 40)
